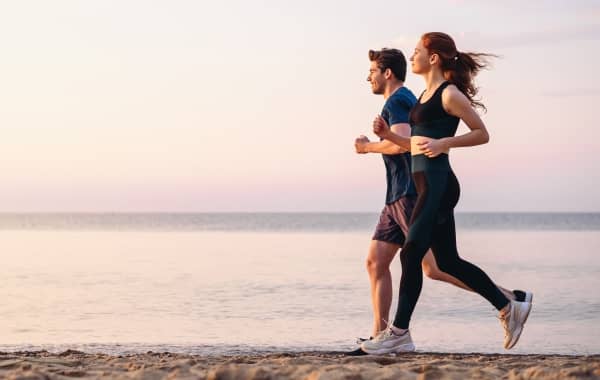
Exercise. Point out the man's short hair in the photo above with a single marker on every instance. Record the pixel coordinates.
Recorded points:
(392, 59)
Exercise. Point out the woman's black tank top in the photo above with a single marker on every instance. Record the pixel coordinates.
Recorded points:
(430, 119)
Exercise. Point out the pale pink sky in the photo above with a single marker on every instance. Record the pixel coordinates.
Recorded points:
(238, 106)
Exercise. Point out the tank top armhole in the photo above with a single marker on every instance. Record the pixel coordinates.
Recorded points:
(442, 87)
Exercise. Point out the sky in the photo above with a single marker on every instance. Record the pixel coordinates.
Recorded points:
(251, 106)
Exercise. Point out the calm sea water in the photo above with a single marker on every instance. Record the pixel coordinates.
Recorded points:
(231, 283)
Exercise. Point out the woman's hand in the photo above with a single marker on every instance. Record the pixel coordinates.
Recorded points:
(433, 148)
(380, 127)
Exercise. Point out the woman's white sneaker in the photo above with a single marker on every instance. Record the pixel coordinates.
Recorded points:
(513, 321)
(523, 295)
(390, 340)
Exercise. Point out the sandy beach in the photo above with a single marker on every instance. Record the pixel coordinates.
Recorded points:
(307, 365)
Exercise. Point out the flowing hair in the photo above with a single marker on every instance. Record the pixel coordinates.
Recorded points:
(459, 68)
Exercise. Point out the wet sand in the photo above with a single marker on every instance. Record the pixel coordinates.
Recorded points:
(307, 365)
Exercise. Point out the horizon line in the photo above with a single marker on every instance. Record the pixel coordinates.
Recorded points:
(281, 212)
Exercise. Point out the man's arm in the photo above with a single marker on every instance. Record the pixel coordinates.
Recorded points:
(398, 137)
(387, 146)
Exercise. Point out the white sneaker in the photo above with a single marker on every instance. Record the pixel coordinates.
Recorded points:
(389, 341)
(513, 322)
(523, 295)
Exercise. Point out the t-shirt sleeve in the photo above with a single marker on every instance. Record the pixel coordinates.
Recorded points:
(398, 110)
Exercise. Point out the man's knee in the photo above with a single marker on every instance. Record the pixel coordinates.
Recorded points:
(376, 266)
(380, 257)
(371, 264)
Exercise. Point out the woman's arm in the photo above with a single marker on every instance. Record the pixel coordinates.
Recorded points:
(457, 104)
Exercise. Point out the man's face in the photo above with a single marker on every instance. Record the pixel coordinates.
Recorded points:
(376, 78)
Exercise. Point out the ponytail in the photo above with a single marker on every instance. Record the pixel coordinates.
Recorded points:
(459, 68)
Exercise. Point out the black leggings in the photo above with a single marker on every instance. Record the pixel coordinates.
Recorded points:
(432, 226)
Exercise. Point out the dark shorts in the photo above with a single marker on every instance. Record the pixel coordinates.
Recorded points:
(394, 220)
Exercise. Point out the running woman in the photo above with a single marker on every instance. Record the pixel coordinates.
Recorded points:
(448, 98)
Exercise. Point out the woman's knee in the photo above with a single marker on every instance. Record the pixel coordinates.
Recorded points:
(448, 265)
(432, 271)
(411, 256)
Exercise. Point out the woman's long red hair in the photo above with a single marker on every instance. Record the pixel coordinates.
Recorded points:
(459, 68)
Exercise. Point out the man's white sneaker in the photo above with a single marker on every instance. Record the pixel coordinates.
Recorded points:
(389, 341)
(360, 341)
(513, 322)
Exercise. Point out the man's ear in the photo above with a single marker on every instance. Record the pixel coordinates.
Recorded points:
(387, 73)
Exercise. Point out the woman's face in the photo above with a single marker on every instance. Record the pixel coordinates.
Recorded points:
(420, 59)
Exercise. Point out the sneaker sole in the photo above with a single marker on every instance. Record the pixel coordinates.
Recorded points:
(407, 347)
(520, 330)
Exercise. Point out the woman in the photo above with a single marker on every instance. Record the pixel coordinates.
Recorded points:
(448, 98)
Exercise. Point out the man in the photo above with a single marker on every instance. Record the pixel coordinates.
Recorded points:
(387, 74)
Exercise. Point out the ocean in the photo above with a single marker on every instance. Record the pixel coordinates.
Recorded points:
(261, 282)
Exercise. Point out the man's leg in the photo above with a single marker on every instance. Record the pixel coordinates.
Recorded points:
(386, 241)
(380, 256)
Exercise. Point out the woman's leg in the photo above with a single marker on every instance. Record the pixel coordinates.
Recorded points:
(432, 271)
(416, 246)
(513, 314)
(446, 255)
(448, 260)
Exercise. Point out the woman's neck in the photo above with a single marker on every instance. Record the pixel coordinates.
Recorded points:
(433, 79)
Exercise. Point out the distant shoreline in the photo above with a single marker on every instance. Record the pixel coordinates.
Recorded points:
(282, 221)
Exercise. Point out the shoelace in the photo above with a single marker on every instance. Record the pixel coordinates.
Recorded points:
(360, 340)
(388, 332)
(381, 333)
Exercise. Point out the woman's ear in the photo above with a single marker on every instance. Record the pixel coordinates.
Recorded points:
(433, 59)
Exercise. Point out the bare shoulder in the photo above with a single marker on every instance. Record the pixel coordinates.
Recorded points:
(452, 93)
(453, 99)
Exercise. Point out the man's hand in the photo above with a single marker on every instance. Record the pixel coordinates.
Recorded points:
(380, 127)
(360, 144)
